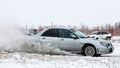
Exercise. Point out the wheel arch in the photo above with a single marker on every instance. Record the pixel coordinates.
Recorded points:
(87, 44)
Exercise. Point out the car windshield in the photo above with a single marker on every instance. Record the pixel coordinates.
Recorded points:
(104, 32)
(80, 34)
(94, 33)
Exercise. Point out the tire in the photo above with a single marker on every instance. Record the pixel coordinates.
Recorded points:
(89, 51)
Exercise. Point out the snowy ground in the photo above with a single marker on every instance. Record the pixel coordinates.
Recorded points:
(32, 60)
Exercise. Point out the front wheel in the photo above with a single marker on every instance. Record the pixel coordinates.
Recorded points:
(89, 51)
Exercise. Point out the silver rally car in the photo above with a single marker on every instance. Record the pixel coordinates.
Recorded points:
(74, 41)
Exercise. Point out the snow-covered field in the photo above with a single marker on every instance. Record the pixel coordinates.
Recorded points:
(32, 60)
(13, 55)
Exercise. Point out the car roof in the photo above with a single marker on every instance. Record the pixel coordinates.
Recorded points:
(98, 31)
(56, 28)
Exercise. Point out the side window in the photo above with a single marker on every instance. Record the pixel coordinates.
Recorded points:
(51, 33)
(99, 33)
(66, 34)
(104, 32)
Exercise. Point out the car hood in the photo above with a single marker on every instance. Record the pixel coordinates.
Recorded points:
(93, 41)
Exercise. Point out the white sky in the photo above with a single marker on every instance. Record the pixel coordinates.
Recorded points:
(61, 12)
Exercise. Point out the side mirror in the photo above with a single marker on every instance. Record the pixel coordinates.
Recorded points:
(76, 37)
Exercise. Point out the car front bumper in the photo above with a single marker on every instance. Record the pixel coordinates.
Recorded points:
(105, 50)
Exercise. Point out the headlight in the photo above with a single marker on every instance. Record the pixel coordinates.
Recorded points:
(103, 43)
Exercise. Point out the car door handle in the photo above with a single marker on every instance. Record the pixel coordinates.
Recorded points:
(62, 39)
(43, 38)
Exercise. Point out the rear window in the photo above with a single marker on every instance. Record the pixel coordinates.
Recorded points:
(51, 33)
(104, 32)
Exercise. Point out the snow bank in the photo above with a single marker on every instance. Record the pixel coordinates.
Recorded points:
(31, 60)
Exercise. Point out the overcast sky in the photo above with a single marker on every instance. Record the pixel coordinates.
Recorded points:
(61, 12)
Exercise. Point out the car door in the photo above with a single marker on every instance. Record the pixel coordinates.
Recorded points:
(67, 40)
(99, 35)
(50, 36)
(105, 34)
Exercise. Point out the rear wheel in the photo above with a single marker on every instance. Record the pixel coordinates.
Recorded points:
(89, 51)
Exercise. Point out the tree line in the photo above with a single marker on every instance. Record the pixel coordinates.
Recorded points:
(113, 29)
